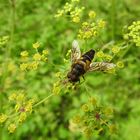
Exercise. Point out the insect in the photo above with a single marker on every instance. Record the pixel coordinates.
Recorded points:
(83, 63)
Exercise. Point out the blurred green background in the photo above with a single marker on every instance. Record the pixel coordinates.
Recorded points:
(33, 20)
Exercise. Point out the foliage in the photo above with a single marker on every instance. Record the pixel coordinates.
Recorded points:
(35, 102)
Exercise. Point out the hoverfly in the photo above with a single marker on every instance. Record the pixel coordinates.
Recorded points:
(83, 63)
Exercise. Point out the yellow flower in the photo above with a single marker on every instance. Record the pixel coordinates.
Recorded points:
(67, 7)
(92, 14)
(56, 89)
(120, 64)
(85, 107)
(29, 107)
(23, 66)
(20, 97)
(58, 74)
(4, 40)
(3, 118)
(45, 59)
(36, 45)
(76, 19)
(76, 119)
(115, 49)
(100, 54)
(12, 97)
(93, 101)
(22, 117)
(37, 57)
(31, 101)
(45, 52)
(87, 131)
(101, 24)
(65, 60)
(24, 53)
(33, 65)
(12, 128)
(59, 13)
(108, 57)
(11, 67)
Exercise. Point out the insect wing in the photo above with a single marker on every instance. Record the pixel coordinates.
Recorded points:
(101, 66)
(75, 52)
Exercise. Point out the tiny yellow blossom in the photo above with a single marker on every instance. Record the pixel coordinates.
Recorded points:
(65, 60)
(67, 7)
(85, 107)
(101, 24)
(33, 65)
(37, 57)
(108, 57)
(87, 131)
(58, 74)
(31, 101)
(59, 13)
(92, 14)
(12, 97)
(76, 19)
(93, 101)
(23, 66)
(120, 64)
(11, 128)
(45, 59)
(29, 107)
(45, 52)
(76, 119)
(100, 54)
(3, 118)
(11, 67)
(56, 88)
(22, 117)
(36, 45)
(115, 49)
(4, 40)
(20, 97)
(24, 53)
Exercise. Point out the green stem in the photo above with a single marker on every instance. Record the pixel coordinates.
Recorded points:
(45, 99)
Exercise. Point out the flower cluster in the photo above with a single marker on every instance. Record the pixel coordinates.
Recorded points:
(133, 34)
(94, 118)
(32, 63)
(103, 56)
(22, 107)
(108, 57)
(91, 28)
(71, 10)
